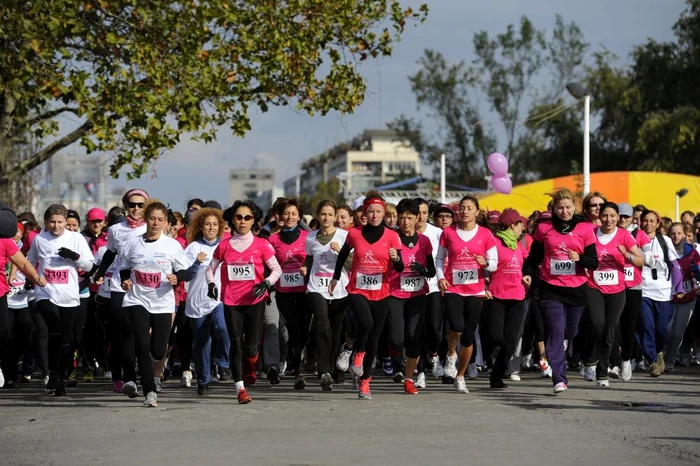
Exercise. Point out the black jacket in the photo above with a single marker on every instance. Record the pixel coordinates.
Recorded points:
(8, 221)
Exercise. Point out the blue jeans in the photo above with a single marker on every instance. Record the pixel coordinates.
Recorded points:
(202, 328)
(652, 326)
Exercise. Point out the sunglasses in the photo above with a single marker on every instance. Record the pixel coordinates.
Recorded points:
(246, 218)
(134, 205)
(595, 205)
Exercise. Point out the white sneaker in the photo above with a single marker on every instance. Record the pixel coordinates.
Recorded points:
(2, 379)
(602, 383)
(547, 372)
(186, 379)
(420, 380)
(560, 387)
(375, 363)
(460, 386)
(151, 400)
(283, 368)
(436, 366)
(589, 373)
(626, 371)
(158, 384)
(451, 366)
(472, 371)
(343, 360)
(614, 372)
(526, 362)
(515, 377)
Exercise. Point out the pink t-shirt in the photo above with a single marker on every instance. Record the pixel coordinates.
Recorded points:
(462, 272)
(684, 263)
(609, 277)
(633, 275)
(557, 269)
(291, 258)
(408, 284)
(506, 282)
(8, 248)
(241, 271)
(369, 274)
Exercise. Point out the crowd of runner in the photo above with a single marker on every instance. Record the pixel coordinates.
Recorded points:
(414, 291)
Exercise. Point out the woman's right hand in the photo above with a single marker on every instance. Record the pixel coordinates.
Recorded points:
(443, 284)
(331, 286)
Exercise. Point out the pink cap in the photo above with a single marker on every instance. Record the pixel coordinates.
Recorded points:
(511, 216)
(493, 217)
(96, 214)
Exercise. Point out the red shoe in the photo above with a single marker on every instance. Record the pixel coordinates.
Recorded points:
(364, 394)
(409, 388)
(544, 365)
(357, 361)
(243, 398)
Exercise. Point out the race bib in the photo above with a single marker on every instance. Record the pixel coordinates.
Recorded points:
(56, 276)
(629, 274)
(558, 267)
(412, 284)
(688, 286)
(368, 282)
(240, 272)
(291, 279)
(605, 277)
(465, 277)
(147, 279)
(322, 280)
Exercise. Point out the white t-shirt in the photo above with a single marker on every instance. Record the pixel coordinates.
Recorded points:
(325, 258)
(433, 233)
(150, 264)
(660, 289)
(198, 303)
(62, 281)
(117, 237)
(18, 297)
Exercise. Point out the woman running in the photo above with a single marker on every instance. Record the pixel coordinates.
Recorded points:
(150, 267)
(466, 251)
(565, 248)
(591, 205)
(244, 289)
(408, 289)
(322, 247)
(60, 254)
(606, 295)
(375, 246)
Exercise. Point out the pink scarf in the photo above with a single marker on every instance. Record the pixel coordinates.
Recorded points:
(135, 223)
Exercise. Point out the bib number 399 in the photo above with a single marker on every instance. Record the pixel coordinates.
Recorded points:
(368, 282)
(605, 277)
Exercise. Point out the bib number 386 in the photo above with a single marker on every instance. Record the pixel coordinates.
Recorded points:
(368, 282)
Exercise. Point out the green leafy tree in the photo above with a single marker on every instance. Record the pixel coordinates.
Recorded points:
(324, 190)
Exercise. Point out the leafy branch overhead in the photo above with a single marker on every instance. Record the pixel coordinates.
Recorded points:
(138, 75)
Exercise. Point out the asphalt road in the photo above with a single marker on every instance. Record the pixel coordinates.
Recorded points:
(645, 421)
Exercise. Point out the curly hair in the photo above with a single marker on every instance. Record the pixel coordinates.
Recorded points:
(194, 229)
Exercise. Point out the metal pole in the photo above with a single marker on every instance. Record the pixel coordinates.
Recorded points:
(442, 178)
(678, 207)
(587, 145)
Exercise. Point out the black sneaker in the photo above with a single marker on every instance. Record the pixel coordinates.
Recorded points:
(398, 377)
(51, 384)
(273, 375)
(326, 382)
(299, 383)
(498, 383)
(60, 389)
(225, 374)
(202, 389)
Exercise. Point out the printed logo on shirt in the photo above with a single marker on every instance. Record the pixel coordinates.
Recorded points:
(160, 254)
(411, 259)
(323, 258)
(369, 258)
(464, 253)
(562, 249)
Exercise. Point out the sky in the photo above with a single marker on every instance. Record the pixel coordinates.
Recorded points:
(282, 138)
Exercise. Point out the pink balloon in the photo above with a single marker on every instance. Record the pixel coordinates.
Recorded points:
(498, 164)
(502, 184)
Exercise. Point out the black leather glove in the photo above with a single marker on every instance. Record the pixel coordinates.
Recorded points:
(68, 254)
(419, 268)
(261, 288)
(213, 293)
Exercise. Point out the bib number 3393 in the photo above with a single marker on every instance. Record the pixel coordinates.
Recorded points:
(368, 282)
(558, 267)
(56, 276)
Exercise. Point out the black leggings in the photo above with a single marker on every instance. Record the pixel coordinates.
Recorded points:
(19, 327)
(296, 312)
(329, 317)
(604, 312)
(240, 320)
(505, 318)
(42, 339)
(94, 338)
(148, 340)
(369, 322)
(628, 323)
(183, 336)
(534, 326)
(60, 325)
(463, 314)
(405, 322)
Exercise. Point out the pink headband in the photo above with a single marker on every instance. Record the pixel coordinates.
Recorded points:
(137, 192)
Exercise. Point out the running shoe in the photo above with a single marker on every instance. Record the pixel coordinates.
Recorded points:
(544, 364)
(602, 383)
(26, 378)
(357, 362)
(243, 398)
(626, 371)
(526, 362)
(72, 382)
(89, 375)
(436, 366)
(515, 377)
(106, 375)
(398, 377)
(2, 379)
(60, 389)
(614, 372)
(51, 384)
(547, 373)
(661, 362)
(299, 383)
(451, 366)
(117, 387)
(654, 369)
(472, 371)
(158, 384)
(130, 389)
(642, 365)
(225, 374)
(460, 385)
(685, 360)
(420, 380)
(202, 390)
(186, 379)
(326, 382)
(151, 400)
(589, 373)
(560, 387)
(388, 366)
(375, 363)
(409, 387)
(343, 361)
(364, 392)
(497, 383)
(273, 375)
(283, 368)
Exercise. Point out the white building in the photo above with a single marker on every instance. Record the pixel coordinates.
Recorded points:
(248, 183)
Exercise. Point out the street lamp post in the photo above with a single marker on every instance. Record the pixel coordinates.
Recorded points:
(679, 195)
(579, 92)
